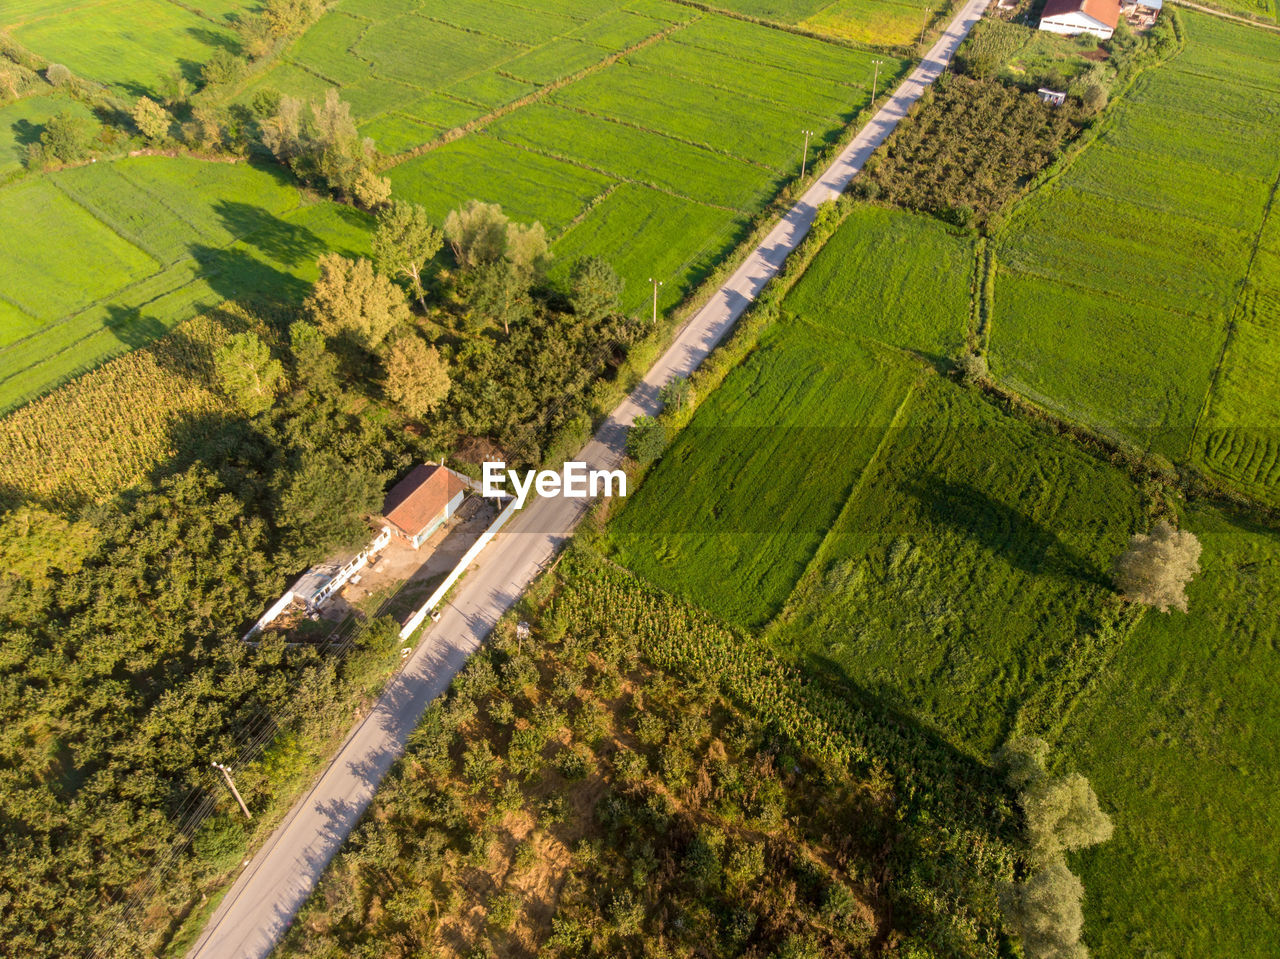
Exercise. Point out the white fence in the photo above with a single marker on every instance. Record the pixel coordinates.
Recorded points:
(468, 558)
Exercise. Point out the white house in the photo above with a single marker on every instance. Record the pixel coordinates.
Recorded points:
(1073, 17)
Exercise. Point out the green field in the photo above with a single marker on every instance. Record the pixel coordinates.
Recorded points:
(1178, 735)
(129, 249)
(21, 123)
(879, 22)
(1121, 283)
(129, 45)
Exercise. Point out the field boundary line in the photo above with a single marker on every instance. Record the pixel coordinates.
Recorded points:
(855, 489)
(800, 72)
(476, 32)
(705, 147)
(620, 177)
(1221, 14)
(1234, 318)
(457, 133)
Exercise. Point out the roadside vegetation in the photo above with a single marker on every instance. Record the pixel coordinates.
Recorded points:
(633, 777)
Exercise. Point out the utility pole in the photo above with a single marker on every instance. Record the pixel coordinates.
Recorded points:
(875, 81)
(804, 162)
(924, 26)
(235, 792)
(656, 284)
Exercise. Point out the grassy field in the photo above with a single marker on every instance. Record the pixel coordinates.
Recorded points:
(1121, 283)
(21, 123)
(1179, 737)
(877, 22)
(128, 45)
(129, 249)
(747, 492)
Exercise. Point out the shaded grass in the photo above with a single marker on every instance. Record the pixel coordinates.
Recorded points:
(731, 515)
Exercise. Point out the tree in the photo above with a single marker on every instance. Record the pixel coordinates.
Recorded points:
(223, 67)
(1063, 815)
(351, 300)
(286, 18)
(527, 250)
(1046, 911)
(594, 287)
(972, 368)
(477, 234)
(247, 373)
(371, 191)
(324, 503)
(66, 136)
(57, 74)
(1094, 98)
(500, 295)
(417, 379)
(151, 119)
(646, 440)
(1156, 567)
(405, 243)
(677, 393)
(35, 542)
(316, 367)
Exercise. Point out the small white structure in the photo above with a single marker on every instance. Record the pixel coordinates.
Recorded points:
(1074, 17)
(1055, 98)
(1141, 14)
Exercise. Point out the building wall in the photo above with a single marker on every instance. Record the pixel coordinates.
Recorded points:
(450, 508)
(1073, 24)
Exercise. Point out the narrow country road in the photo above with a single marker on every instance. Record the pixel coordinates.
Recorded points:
(264, 899)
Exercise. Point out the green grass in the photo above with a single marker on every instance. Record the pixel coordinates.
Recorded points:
(630, 153)
(872, 21)
(129, 45)
(529, 186)
(644, 233)
(733, 512)
(1178, 738)
(867, 281)
(972, 554)
(132, 248)
(1117, 283)
(21, 123)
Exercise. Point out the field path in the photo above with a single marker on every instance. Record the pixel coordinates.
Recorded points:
(1215, 12)
(261, 904)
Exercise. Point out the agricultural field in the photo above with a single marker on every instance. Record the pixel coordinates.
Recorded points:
(748, 490)
(21, 122)
(1178, 733)
(130, 46)
(645, 132)
(876, 22)
(1120, 283)
(131, 248)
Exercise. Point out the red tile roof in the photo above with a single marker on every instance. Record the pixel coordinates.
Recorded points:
(1104, 11)
(420, 497)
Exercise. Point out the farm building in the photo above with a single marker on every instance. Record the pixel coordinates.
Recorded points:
(1073, 17)
(420, 503)
(1141, 14)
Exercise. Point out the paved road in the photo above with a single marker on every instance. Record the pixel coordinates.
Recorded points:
(264, 899)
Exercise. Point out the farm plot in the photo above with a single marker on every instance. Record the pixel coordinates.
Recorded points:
(890, 276)
(632, 229)
(1178, 737)
(1117, 282)
(129, 45)
(129, 249)
(877, 22)
(970, 557)
(733, 512)
(22, 121)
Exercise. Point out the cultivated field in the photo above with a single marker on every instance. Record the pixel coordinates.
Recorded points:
(1121, 283)
(129, 45)
(879, 22)
(126, 250)
(646, 132)
(748, 491)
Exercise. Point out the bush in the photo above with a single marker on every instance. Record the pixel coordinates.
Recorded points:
(58, 75)
(1157, 567)
(646, 440)
(971, 369)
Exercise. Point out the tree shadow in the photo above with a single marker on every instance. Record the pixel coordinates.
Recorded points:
(276, 238)
(235, 274)
(1023, 542)
(216, 39)
(25, 132)
(132, 327)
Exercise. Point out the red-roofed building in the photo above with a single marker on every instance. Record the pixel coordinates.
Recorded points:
(1072, 17)
(419, 504)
